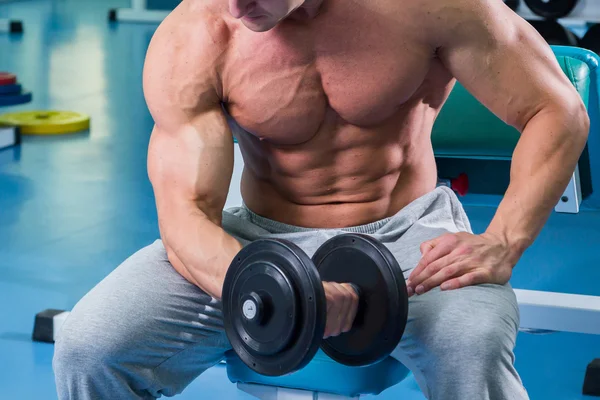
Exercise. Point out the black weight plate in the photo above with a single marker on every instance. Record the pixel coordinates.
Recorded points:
(383, 305)
(551, 9)
(591, 39)
(512, 4)
(290, 324)
(554, 33)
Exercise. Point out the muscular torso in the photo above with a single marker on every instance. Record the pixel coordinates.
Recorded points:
(334, 116)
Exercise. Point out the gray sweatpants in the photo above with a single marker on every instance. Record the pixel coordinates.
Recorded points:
(144, 331)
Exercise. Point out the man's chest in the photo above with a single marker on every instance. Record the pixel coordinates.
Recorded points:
(284, 83)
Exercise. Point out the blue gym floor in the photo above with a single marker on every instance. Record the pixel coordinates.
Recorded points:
(73, 207)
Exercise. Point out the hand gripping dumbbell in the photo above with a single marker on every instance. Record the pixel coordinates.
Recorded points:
(275, 310)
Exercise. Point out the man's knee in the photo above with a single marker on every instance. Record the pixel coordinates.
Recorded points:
(477, 325)
(82, 351)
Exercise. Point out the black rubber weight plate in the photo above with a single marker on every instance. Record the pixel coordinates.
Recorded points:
(288, 334)
(554, 33)
(512, 4)
(591, 39)
(551, 9)
(383, 307)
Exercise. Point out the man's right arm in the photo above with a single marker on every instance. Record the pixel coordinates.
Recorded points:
(190, 157)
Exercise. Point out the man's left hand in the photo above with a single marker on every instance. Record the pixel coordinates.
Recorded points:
(456, 260)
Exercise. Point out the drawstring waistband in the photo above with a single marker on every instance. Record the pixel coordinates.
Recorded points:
(280, 227)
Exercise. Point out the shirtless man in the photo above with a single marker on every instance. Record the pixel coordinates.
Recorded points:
(333, 103)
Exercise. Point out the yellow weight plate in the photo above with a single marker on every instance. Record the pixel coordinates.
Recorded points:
(47, 122)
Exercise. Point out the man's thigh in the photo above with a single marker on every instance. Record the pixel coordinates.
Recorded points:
(462, 337)
(449, 332)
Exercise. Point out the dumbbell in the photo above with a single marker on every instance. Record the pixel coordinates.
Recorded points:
(552, 9)
(275, 310)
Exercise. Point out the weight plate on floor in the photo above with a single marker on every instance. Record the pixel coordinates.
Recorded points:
(274, 307)
(551, 9)
(10, 89)
(383, 305)
(15, 99)
(6, 78)
(47, 122)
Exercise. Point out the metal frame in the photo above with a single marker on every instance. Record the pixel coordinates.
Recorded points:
(138, 12)
(571, 198)
(558, 312)
(9, 136)
(8, 26)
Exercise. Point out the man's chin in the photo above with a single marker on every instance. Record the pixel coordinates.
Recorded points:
(258, 26)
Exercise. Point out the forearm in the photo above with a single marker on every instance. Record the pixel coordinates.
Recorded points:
(199, 249)
(542, 165)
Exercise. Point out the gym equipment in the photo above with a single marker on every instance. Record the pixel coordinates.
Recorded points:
(513, 4)
(383, 302)
(15, 99)
(274, 305)
(591, 384)
(8, 26)
(6, 78)
(10, 89)
(9, 136)
(591, 39)
(47, 122)
(459, 184)
(551, 9)
(138, 12)
(554, 33)
(467, 130)
(322, 379)
(271, 312)
(46, 325)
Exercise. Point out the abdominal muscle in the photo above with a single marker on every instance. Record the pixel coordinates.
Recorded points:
(344, 175)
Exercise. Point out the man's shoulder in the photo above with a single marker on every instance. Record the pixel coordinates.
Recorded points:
(196, 29)
(436, 21)
(183, 62)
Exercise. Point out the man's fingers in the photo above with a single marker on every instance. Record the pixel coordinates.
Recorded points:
(341, 317)
(473, 278)
(342, 306)
(352, 308)
(444, 274)
(333, 308)
(426, 246)
(432, 269)
(443, 247)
